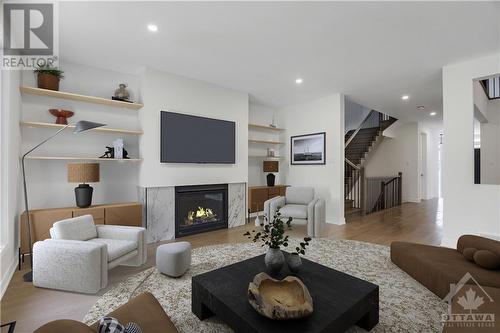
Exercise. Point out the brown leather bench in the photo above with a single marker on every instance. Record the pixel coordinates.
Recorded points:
(144, 310)
(437, 267)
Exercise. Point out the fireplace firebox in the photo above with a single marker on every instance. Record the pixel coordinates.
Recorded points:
(200, 208)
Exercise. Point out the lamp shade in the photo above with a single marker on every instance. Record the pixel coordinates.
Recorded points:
(271, 166)
(83, 172)
(84, 125)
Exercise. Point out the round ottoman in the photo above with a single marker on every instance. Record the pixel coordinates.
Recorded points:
(173, 259)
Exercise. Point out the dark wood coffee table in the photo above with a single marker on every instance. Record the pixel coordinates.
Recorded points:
(340, 300)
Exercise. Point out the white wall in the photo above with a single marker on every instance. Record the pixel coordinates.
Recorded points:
(322, 115)
(262, 115)
(118, 181)
(162, 91)
(490, 144)
(431, 169)
(398, 154)
(480, 100)
(10, 172)
(467, 208)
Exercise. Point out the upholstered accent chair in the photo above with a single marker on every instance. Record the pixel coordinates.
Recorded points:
(299, 204)
(80, 253)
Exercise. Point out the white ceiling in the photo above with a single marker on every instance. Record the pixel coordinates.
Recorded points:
(373, 52)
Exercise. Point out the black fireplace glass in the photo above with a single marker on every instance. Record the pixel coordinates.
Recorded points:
(200, 208)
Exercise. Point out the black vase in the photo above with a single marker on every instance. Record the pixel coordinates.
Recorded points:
(270, 179)
(83, 195)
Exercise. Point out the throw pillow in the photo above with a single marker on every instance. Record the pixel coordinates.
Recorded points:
(487, 259)
(469, 253)
(132, 328)
(110, 325)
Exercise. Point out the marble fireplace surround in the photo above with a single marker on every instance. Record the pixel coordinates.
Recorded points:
(159, 210)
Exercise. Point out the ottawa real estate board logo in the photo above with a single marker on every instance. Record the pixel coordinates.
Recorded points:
(29, 35)
(469, 306)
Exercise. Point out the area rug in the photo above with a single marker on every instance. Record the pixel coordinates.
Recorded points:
(405, 305)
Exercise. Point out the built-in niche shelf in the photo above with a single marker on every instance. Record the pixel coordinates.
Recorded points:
(78, 97)
(99, 129)
(77, 158)
(263, 127)
(266, 142)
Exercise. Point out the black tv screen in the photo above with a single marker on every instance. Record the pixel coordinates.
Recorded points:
(192, 139)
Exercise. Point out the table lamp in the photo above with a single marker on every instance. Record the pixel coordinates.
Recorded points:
(83, 173)
(271, 166)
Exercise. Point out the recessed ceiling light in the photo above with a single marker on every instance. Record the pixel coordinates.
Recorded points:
(299, 80)
(152, 27)
(433, 113)
(405, 97)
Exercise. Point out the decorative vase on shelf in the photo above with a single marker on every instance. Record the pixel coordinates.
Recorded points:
(274, 260)
(61, 115)
(48, 81)
(294, 262)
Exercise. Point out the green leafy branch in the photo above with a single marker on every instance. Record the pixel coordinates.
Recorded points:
(273, 233)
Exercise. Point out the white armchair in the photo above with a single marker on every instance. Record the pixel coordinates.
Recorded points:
(80, 253)
(299, 203)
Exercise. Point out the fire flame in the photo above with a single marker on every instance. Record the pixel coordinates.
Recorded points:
(203, 213)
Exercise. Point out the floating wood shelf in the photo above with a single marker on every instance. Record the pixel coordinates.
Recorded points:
(266, 142)
(99, 129)
(77, 158)
(255, 126)
(78, 97)
(264, 156)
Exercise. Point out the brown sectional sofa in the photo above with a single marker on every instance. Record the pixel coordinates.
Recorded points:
(437, 267)
(144, 310)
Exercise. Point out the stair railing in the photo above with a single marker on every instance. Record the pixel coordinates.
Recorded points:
(390, 194)
(354, 183)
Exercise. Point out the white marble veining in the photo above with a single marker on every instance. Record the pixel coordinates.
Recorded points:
(159, 210)
(236, 203)
(141, 194)
(160, 213)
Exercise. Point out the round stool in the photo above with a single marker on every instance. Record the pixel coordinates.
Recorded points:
(173, 259)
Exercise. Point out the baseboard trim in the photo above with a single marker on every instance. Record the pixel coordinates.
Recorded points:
(4, 283)
(449, 242)
(339, 222)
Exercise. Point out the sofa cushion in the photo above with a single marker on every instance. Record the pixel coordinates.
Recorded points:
(487, 259)
(77, 228)
(64, 326)
(469, 253)
(437, 267)
(479, 243)
(295, 211)
(116, 247)
(145, 311)
(299, 195)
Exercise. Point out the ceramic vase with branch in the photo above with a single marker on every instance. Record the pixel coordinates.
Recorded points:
(294, 262)
(273, 236)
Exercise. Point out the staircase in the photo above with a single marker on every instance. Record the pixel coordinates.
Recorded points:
(359, 144)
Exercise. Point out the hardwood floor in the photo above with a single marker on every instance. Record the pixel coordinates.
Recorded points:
(31, 307)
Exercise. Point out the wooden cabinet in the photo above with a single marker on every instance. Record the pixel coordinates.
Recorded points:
(129, 214)
(257, 195)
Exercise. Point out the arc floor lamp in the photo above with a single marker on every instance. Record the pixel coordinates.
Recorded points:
(80, 127)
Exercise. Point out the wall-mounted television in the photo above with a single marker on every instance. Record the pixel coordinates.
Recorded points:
(192, 139)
